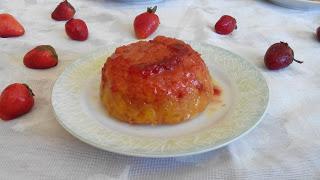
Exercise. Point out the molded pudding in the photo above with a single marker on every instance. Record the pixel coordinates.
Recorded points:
(161, 81)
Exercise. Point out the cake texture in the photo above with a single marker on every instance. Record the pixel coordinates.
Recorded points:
(161, 81)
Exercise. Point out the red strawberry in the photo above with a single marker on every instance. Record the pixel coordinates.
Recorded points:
(15, 100)
(225, 25)
(41, 57)
(146, 23)
(77, 29)
(278, 56)
(64, 11)
(9, 26)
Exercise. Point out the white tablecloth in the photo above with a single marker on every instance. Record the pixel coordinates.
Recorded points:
(286, 145)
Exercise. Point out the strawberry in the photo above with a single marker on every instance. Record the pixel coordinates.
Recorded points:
(278, 56)
(77, 29)
(41, 57)
(146, 23)
(15, 100)
(225, 25)
(64, 11)
(9, 26)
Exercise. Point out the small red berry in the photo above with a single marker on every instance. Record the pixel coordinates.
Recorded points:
(146, 23)
(225, 25)
(15, 100)
(41, 57)
(279, 56)
(77, 29)
(9, 26)
(64, 11)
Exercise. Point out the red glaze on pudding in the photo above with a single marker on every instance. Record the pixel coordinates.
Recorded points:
(161, 81)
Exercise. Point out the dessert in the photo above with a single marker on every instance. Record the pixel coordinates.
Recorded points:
(161, 81)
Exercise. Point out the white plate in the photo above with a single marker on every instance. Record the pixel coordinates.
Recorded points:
(76, 102)
(298, 4)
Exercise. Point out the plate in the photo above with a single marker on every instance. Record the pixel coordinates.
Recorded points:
(75, 99)
(298, 4)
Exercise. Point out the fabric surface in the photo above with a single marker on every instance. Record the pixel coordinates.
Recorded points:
(286, 145)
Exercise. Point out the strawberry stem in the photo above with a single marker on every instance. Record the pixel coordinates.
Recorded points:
(152, 10)
(300, 62)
